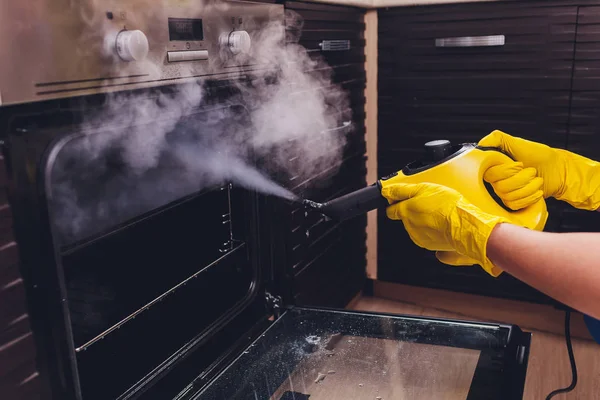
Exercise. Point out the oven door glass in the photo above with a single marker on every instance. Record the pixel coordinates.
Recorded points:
(319, 354)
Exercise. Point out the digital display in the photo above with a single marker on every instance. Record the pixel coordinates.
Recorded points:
(185, 29)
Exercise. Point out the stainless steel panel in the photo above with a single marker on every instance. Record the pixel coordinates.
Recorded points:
(63, 48)
(471, 41)
(193, 55)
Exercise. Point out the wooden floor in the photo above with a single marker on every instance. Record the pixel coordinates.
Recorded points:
(549, 366)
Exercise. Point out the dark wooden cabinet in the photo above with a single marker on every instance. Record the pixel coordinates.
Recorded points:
(584, 124)
(543, 84)
(19, 372)
(584, 127)
(462, 93)
(325, 260)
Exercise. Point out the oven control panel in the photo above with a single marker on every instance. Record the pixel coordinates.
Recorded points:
(64, 48)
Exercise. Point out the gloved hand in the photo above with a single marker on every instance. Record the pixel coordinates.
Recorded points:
(517, 186)
(441, 219)
(566, 176)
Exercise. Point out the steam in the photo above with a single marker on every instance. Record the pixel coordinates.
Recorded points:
(144, 149)
(215, 165)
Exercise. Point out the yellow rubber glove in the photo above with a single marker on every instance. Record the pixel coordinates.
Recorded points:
(566, 176)
(517, 186)
(441, 219)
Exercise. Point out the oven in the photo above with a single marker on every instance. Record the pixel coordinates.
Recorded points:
(153, 155)
(135, 269)
(124, 123)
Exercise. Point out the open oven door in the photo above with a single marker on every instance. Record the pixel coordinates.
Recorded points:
(322, 354)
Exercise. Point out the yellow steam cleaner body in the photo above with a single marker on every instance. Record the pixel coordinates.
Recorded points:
(460, 167)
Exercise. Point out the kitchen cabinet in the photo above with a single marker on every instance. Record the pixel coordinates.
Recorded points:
(429, 90)
(584, 124)
(325, 260)
(17, 346)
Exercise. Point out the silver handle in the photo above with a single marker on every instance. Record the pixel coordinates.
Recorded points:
(345, 124)
(471, 41)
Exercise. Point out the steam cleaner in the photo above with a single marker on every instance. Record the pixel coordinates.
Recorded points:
(460, 167)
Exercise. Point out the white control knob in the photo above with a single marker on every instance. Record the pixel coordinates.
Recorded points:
(132, 45)
(237, 41)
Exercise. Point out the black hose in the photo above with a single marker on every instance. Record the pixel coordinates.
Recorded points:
(571, 358)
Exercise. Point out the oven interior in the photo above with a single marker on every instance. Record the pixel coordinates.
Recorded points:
(153, 286)
(151, 264)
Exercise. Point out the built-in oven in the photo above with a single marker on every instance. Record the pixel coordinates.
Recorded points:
(154, 153)
(140, 265)
(126, 124)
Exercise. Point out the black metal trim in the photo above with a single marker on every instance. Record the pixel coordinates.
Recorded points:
(491, 148)
(516, 371)
(369, 287)
(412, 168)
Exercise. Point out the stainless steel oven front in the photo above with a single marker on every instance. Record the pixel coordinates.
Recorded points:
(65, 48)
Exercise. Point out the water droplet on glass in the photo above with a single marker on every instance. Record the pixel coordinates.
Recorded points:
(313, 339)
(320, 378)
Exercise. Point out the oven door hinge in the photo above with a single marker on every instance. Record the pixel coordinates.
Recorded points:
(274, 303)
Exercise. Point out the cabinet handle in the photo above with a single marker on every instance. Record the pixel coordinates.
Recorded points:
(334, 45)
(345, 124)
(471, 41)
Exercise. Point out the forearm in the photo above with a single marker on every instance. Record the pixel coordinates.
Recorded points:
(565, 266)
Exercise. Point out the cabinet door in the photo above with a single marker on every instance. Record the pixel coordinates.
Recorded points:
(325, 260)
(462, 93)
(584, 126)
(431, 90)
(19, 375)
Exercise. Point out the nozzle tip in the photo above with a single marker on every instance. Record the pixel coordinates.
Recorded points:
(312, 204)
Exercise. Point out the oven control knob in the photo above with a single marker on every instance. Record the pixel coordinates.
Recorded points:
(237, 41)
(132, 45)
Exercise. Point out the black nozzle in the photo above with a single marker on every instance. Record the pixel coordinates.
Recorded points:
(350, 205)
(312, 204)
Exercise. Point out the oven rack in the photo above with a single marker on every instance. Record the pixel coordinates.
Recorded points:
(237, 246)
(73, 247)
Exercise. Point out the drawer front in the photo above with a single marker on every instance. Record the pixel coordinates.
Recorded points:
(584, 126)
(414, 111)
(463, 93)
(496, 39)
